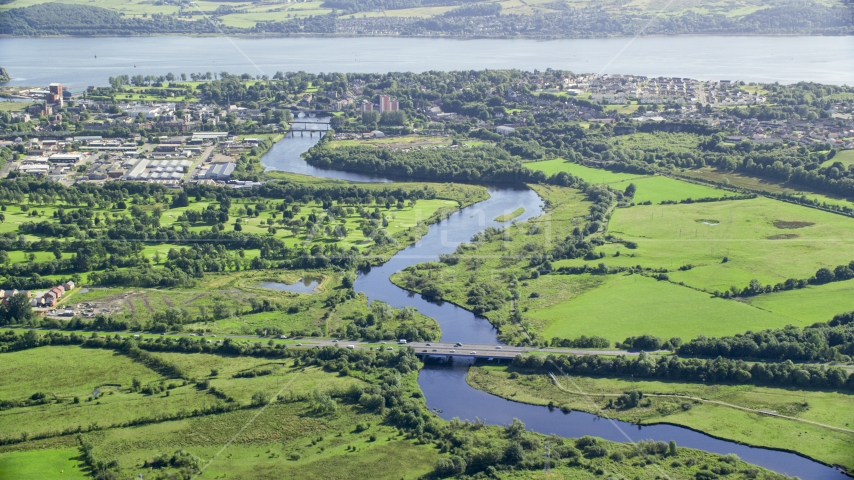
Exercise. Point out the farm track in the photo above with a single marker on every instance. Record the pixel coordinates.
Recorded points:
(147, 305)
(197, 297)
(168, 302)
(704, 400)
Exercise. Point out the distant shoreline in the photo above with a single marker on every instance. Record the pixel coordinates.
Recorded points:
(438, 37)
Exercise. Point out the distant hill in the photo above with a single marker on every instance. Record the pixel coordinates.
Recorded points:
(457, 18)
(69, 19)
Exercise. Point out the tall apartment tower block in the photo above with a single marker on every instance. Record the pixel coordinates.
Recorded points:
(388, 104)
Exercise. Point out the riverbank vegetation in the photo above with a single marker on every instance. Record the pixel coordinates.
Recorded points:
(750, 414)
(237, 408)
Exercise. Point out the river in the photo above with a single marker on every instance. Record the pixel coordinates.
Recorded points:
(445, 387)
(80, 61)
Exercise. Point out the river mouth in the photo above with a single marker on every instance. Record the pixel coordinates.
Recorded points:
(444, 383)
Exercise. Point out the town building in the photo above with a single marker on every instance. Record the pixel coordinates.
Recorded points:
(55, 95)
(388, 104)
(504, 130)
(218, 171)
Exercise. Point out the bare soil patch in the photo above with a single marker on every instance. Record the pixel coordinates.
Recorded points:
(784, 236)
(147, 305)
(201, 295)
(792, 225)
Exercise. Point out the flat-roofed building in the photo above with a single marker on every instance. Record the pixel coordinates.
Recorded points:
(218, 171)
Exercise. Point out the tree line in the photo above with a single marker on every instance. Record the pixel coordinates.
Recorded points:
(820, 342)
(719, 370)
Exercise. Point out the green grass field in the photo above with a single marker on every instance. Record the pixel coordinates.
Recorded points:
(829, 408)
(623, 306)
(589, 174)
(812, 304)
(287, 436)
(744, 231)
(658, 189)
(52, 464)
(92, 368)
(844, 156)
(654, 189)
(499, 263)
(14, 106)
(758, 184)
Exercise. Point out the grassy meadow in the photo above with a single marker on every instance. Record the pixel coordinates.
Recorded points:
(221, 305)
(626, 305)
(650, 188)
(762, 185)
(284, 435)
(761, 238)
(821, 443)
(589, 174)
(58, 379)
(47, 464)
(846, 157)
(816, 303)
(289, 437)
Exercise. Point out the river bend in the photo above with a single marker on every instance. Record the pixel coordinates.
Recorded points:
(445, 388)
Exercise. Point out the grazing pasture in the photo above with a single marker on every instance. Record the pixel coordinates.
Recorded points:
(627, 305)
(589, 174)
(755, 236)
(817, 303)
(658, 189)
(650, 188)
(66, 372)
(47, 464)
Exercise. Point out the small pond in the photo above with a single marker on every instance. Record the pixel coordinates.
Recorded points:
(303, 285)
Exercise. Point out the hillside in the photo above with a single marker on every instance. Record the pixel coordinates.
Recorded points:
(457, 18)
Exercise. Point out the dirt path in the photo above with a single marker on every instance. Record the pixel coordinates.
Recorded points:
(130, 306)
(714, 402)
(168, 302)
(147, 305)
(197, 297)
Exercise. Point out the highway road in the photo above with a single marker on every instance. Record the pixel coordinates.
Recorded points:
(421, 348)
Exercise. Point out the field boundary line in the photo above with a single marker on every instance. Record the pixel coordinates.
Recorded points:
(611, 420)
(239, 432)
(704, 400)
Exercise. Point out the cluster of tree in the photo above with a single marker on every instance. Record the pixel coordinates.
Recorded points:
(17, 309)
(822, 276)
(112, 243)
(475, 10)
(648, 343)
(719, 370)
(69, 19)
(474, 164)
(821, 342)
(581, 342)
(374, 330)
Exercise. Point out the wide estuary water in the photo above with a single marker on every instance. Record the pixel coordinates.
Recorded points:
(445, 387)
(80, 62)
